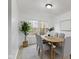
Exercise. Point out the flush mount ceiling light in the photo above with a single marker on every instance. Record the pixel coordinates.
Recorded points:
(49, 6)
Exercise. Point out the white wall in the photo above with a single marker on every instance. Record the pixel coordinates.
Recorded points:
(65, 16)
(38, 16)
(9, 28)
(13, 41)
(17, 37)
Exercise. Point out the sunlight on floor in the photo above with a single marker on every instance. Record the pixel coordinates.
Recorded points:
(30, 52)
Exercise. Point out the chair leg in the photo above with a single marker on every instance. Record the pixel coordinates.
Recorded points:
(41, 55)
(54, 54)
(70, 56)
(37, 47)
(63, 57)
(39, 51)
(51, 57)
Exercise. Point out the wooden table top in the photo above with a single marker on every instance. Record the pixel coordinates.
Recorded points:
(52, 39)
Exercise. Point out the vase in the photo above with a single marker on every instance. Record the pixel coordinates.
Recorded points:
(25, 43)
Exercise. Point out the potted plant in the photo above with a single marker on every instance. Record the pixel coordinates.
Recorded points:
(25, 28)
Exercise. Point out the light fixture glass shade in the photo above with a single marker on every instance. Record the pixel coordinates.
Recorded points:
(48, 6)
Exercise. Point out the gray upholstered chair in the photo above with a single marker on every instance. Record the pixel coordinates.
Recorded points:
(42, 33)
(36, 40)
(61, 35)
(65, 50)
(55, 34)
(41, 47)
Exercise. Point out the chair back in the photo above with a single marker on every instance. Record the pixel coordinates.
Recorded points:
(67, 46)
(55, 34)
(61, 35)
(39, 41)
(42, 33)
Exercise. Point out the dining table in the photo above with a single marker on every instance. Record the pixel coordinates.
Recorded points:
(51, 40)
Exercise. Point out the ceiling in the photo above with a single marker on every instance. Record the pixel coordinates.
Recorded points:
(38, 7)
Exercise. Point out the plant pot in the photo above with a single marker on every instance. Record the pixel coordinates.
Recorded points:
(25, 44)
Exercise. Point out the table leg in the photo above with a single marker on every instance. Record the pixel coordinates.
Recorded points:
(51, 55)
(54, 53)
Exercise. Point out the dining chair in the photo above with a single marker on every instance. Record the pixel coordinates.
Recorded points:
(61, 35)
(41, 47)
(65, 50)
(55, 34)
(42, 33)
(37, 40)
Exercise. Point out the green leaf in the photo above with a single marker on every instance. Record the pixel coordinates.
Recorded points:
(25, 27)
